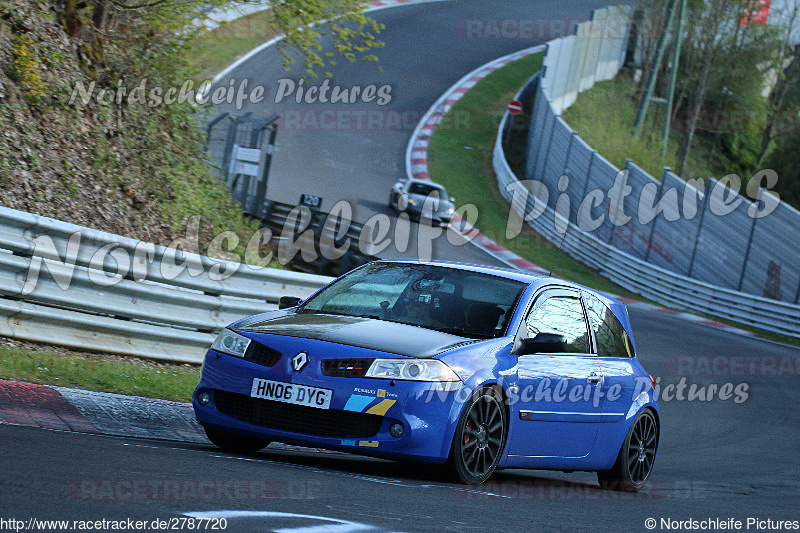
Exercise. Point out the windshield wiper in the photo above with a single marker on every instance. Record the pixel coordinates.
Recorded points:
(336, 313)
(463, 333)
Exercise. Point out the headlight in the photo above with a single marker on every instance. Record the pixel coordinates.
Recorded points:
(231, 343)
(412, 370)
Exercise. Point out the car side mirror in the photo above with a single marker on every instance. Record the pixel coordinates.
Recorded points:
(288, 301)
(544, 343)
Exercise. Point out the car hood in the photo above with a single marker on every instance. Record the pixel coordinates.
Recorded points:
(442, 206)
(380, 335)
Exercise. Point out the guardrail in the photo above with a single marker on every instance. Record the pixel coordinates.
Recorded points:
(706, 252)
(85, 289)
(632, 273)
(328, 244)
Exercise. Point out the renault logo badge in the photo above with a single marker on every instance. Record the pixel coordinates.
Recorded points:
(299, 361)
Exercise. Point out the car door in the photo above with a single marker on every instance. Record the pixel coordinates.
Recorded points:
(615, 359)
(555, 414)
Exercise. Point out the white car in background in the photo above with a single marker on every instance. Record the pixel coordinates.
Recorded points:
(422, 199)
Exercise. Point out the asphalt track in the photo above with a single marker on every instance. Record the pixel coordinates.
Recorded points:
(717, 459)
(360, 154)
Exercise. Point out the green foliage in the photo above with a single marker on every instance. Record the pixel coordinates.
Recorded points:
(212, 51)
(724, 69)
(460, 158)
(174, 382)
(603, 116)
(352, 34)
(27, 69)
(784, 161)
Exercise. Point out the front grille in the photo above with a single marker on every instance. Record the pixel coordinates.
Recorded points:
(297, 418)
(262, 355)
(346, 368)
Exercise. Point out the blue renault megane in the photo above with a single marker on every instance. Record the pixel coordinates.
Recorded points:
(473, 367)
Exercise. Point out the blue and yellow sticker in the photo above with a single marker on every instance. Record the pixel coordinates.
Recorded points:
(371, 405)
(374, 404)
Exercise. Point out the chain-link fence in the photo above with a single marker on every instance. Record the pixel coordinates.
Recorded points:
(707, 234)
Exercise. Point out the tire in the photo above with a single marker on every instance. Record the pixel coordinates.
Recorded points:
(231, 442)
(479, 439)
(636, 456)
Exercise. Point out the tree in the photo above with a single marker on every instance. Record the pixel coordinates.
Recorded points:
(788, 77)
(706, 39)
(725, 64)
(353, 33)
(170, 24)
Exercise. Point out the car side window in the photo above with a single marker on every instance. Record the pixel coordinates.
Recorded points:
(561, 314)
(612, 339)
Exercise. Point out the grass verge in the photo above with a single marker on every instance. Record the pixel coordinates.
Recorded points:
(102, 373)
(214, 50)
(460, 158)
(604, 115)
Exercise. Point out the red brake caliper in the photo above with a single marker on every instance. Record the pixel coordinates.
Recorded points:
(467, 426)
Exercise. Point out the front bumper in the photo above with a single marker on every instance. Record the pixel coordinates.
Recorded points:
(362, 410)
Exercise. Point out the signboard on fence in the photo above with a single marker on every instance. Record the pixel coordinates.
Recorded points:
(244, 161)
(757, 12)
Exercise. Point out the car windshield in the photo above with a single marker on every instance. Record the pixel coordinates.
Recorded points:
(461, 302)
(425, 189)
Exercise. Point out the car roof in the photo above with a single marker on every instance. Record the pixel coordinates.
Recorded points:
(617, 307)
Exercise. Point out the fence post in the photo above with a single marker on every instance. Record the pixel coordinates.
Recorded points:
(233, 127)
(699, 229)
(628, 161)
(549, 144)
(749, 243)
(655, 220)
(541, 154)
(569, 152)
(535, 124)
(588, 174)
(797, 296)
(262, 205)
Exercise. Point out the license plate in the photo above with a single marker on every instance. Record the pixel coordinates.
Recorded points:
(280, 391)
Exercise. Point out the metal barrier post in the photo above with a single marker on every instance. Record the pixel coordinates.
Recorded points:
(749, 243)
(699, 229)
(655, 220)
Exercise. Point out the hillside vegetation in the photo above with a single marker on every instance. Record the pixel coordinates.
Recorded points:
(110, 164)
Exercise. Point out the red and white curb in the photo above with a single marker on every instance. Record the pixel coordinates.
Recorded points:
(63, 409)
(104, 413)
(417, 153)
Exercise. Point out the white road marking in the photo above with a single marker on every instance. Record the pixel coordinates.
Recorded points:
(335, 525)
(332, 472)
